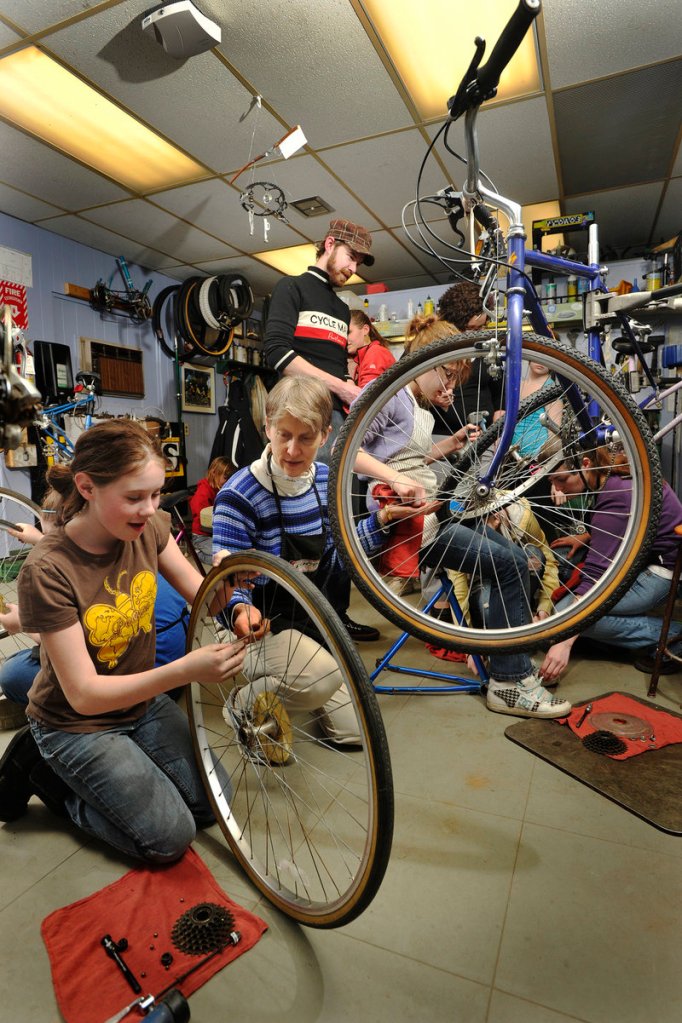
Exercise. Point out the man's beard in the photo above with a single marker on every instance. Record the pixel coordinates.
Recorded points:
(337, 276)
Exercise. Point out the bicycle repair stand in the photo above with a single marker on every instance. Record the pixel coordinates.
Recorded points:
(458, 683)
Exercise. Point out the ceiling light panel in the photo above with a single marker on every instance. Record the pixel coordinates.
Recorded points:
(295, 260)
(86, 125)
(431, 45)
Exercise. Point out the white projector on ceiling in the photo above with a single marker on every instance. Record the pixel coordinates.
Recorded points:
(182, 30)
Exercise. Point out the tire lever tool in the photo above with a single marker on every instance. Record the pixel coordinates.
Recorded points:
(113, 949)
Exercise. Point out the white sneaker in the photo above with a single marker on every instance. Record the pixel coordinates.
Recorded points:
(401, 586)
(526, 699)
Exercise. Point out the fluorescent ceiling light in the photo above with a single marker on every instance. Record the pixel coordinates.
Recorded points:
(40, 96)
(295, 260)
(431, 45)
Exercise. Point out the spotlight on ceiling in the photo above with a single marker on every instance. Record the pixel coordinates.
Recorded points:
(182, 29)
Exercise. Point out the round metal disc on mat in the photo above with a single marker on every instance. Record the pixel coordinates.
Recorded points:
(625, 725)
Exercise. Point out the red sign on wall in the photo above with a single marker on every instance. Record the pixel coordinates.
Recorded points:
(14, 295)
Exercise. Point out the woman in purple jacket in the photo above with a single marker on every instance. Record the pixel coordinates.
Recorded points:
(628, 624)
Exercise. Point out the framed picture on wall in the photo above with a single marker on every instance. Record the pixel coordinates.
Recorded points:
(197, 385)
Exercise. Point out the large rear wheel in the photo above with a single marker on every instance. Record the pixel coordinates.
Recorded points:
(552, 426)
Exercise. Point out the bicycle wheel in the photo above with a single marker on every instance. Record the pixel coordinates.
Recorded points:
(522, 482)
(310, 821)
(14, 508)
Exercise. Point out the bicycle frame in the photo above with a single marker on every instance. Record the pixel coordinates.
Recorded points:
(522, 299)
(48, 425)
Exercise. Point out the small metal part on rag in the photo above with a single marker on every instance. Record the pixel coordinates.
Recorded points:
(586, 711)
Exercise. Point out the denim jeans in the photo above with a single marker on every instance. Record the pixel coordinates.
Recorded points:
(136, 786)
(17, 673)
(487, 553)
(627, 624)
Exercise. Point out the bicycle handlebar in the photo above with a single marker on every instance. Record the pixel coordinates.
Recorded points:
(480, 84)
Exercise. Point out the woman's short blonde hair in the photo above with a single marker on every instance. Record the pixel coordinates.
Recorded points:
(304, 398)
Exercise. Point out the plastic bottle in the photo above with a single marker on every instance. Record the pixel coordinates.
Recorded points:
(428, 306)
(383, 312)
(420, 311)
(571, 288)
(410, 308)
(365, 306)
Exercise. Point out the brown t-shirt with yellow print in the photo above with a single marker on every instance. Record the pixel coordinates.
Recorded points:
(111, 595)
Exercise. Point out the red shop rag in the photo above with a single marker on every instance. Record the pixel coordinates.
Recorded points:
(666, 728)
(400, 557)
(143, 907)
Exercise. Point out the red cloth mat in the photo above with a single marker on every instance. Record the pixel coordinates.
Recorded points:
(665, 728)
(142, 906)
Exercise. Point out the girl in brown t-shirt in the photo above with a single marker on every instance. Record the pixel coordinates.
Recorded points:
(98, 710)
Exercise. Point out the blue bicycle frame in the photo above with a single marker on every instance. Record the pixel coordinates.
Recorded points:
(49, 426)
(522, 298)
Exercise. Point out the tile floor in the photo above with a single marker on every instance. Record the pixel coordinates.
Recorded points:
(514, 894)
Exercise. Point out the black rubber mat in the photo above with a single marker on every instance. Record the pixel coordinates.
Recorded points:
(647, 785)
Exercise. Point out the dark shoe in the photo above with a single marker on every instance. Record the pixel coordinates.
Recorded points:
(20, 757)
(360, 633)
(23, 772)
(668, 665)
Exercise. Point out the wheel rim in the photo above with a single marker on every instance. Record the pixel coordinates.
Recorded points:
(376, 412)
(310, 823)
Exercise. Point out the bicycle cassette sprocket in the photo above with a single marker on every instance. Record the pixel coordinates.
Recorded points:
(202, 929)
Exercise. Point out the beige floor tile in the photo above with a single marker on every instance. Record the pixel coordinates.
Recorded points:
(593, 929)
(506, 1008)
(443, 899)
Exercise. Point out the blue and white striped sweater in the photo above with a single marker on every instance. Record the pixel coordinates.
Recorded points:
(245, 517)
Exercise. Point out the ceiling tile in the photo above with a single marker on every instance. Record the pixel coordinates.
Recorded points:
(106, 241)
(7, 36)
(22, 206)
(304, 176)
(625, 216)
(383, 171)
(35, 168)
(196, 102)
(34, 17)
(315, 64)
(141, 220)
(515, 149)
(215, 206)
(619, 131)
(584, 43)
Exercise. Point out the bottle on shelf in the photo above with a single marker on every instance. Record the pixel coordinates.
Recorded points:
(571, 288)
(365, 307)
(420, 310)
(428, 306)
(410, 308)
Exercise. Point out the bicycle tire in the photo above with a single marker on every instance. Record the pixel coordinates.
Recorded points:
(313, 833)
(14, 507)
(567, 367)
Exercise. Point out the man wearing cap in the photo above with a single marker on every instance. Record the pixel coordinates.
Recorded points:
(307, 327)
(306, 334)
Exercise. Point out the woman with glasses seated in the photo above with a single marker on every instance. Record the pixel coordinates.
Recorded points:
(402, 439)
